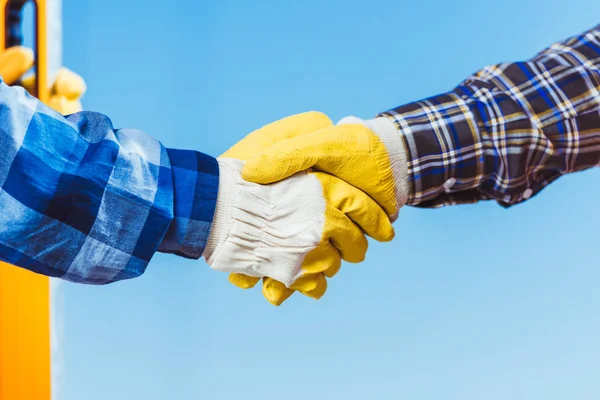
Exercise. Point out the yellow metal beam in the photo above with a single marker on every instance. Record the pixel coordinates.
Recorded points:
(24, 335)
(24, 296)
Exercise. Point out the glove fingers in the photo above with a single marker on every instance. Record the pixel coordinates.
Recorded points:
(358, 206)
(313, 286)
(243, 281)
(351, 152)
(290, 156)
(323, 259)
(328, 150)
(14, 62)
(275, 292)
(292, 126)
(345, 235)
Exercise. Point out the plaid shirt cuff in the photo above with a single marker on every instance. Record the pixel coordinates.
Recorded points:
(444, 150)
(195, 189)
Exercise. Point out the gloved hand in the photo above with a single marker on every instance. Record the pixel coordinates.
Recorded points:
(65, 92)
(313, 285)
(368, 155)
(295, 231)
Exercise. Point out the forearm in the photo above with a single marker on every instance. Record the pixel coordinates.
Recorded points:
(507, 131)
(89, 203)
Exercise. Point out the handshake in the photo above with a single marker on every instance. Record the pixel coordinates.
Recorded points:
(295, 197)
(298, 196)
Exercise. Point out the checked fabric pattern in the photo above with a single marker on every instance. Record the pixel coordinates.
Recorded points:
(507, 131)
(89, 203)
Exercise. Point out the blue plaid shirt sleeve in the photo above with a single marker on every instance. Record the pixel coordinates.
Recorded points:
(88, 203)
(509, 130)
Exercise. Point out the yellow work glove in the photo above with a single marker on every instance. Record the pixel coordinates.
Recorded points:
(359, 208)
(65, 92)
(368, 155)
(295, 231)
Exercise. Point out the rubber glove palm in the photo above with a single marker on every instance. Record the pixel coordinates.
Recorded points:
(358, 207)
(66, 91)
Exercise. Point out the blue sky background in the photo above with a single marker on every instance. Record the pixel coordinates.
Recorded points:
(468, 302)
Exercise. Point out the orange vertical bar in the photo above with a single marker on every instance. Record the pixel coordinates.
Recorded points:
(24, 335)
(25, 296)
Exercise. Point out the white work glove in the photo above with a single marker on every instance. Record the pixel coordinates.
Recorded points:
(295, 231)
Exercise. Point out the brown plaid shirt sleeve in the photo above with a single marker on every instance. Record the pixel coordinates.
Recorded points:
(507, 131)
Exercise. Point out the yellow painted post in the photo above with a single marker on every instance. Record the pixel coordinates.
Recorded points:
(24, 335)
(24, 296)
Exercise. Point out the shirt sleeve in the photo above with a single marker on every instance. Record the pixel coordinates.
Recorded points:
(507, 131)
(88, 203)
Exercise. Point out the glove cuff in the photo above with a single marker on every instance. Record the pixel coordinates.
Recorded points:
(222, 221)
(389, 134)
